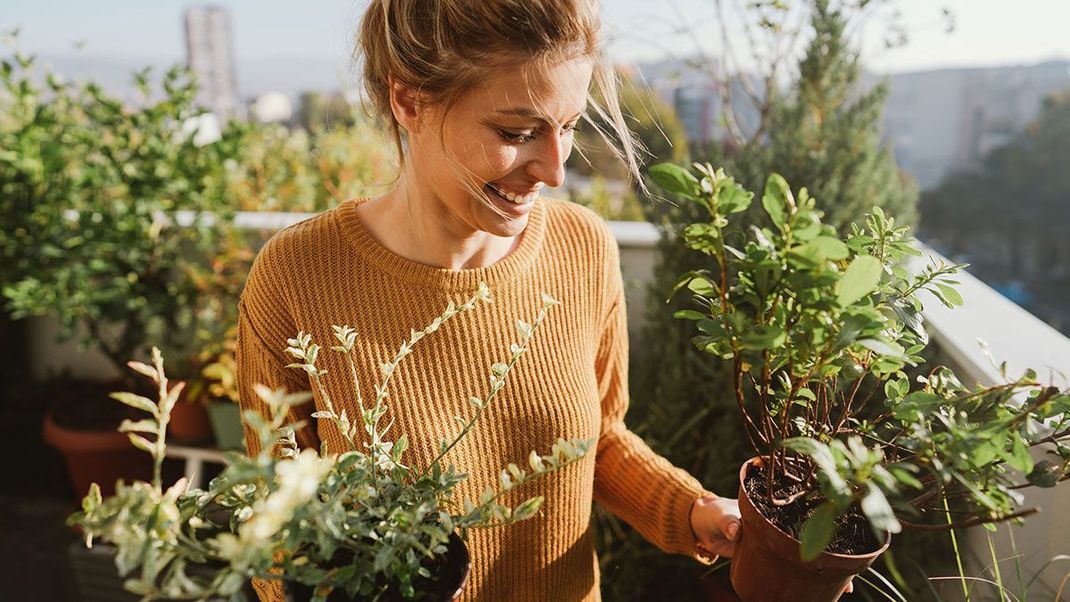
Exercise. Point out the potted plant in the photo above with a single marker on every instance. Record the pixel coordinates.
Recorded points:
(220, 385)
(819, 332)
(92, 191)
(361, 524)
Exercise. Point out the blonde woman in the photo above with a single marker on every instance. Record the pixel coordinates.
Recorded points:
(483, 97)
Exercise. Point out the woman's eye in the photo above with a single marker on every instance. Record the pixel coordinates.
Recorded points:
(528, 136)
(516, 137)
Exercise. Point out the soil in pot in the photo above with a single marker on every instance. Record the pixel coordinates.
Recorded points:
(449, 573)
(767, 566)
(853, 534)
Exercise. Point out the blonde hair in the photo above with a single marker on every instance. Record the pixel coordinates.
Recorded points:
(443, 48)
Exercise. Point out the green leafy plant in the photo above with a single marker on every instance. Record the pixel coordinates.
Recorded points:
(361, 521)
(92, 189)
(820, 330)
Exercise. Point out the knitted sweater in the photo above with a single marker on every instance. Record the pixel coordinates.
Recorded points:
(572, 383)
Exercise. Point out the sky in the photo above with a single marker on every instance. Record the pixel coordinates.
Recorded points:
(987, 32)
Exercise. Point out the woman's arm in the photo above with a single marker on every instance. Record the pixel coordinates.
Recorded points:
(631, 480)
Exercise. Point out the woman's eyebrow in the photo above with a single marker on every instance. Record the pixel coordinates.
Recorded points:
(532, 114)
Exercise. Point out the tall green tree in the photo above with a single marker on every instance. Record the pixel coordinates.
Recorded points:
(822, 131)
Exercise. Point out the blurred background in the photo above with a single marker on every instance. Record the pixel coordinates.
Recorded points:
(147, 149)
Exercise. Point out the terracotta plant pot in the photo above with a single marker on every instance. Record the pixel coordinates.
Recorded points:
(766, 566)
(451, 575)
(189, 422)
(100, 457)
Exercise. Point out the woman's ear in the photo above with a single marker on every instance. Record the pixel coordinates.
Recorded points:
(406, 104)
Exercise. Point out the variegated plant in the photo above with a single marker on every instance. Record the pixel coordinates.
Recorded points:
(361, 521)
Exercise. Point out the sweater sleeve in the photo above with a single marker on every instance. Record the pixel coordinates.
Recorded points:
(631, 480)
(264, 325)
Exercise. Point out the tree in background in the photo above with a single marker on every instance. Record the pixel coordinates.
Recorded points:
(822, 132)
(1010, 215)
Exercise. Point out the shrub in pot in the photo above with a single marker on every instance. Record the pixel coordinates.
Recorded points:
(357, 525)
(819, 331)
(91, 189)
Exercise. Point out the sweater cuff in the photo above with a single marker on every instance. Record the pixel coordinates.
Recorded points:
(681, 537)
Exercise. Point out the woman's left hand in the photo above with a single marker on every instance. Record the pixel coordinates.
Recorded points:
(715, 523)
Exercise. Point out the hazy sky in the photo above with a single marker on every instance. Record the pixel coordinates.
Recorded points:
(989, 32)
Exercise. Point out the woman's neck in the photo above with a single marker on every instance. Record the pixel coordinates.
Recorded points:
(420, 228)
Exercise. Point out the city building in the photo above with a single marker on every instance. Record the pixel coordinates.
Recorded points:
(210, 55)
(947, 120)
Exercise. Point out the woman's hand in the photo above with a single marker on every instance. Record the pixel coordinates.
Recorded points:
(715, 525)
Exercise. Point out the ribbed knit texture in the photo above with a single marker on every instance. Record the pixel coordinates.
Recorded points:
(572, 383)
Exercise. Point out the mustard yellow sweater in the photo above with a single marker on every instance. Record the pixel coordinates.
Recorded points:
(573, 382)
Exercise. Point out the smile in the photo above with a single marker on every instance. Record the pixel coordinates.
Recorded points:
(518, 199)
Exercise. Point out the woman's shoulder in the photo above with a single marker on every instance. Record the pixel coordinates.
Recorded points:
(291, 249)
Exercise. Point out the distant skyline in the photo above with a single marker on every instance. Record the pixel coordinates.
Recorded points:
(987, 32)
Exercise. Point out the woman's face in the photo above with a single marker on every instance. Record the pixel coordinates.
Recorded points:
(507, 139)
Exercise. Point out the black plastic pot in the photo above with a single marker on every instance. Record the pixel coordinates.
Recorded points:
(96, 577)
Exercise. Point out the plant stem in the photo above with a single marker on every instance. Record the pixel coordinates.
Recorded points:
(958, 555)
(995, 566)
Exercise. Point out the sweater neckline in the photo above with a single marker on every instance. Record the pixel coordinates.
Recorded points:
(501, 272)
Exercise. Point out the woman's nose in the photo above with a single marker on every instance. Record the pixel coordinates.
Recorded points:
(548, 165)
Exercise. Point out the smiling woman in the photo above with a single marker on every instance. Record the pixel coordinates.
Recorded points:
(483, 97)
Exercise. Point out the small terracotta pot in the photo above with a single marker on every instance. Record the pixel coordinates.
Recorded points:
(189, 421)
(100, 457)
(766, 566)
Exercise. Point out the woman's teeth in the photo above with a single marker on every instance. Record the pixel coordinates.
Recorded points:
(512, 197)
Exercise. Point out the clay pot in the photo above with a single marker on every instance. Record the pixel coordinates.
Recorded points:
(766, 566)
(451, 575)
(100, 457)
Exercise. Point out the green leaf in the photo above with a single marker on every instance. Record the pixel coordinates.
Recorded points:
(883, 347)
(822, 456)
(136, 401)
(764, 337)
(142, 443)
(859, 280)
(879, 512)
(527, 509)
(733, 199)
(775, 199)
(701, 286)
(675, 179)
(950, 294)
(689, 314)
(1044, 474)
(140, 426)
(817, 532)
(829, 248)
(1019, 457)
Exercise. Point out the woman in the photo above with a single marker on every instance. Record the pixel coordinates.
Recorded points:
(485, 95)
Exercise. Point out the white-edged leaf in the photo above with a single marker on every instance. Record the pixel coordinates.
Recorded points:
(136, 401)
